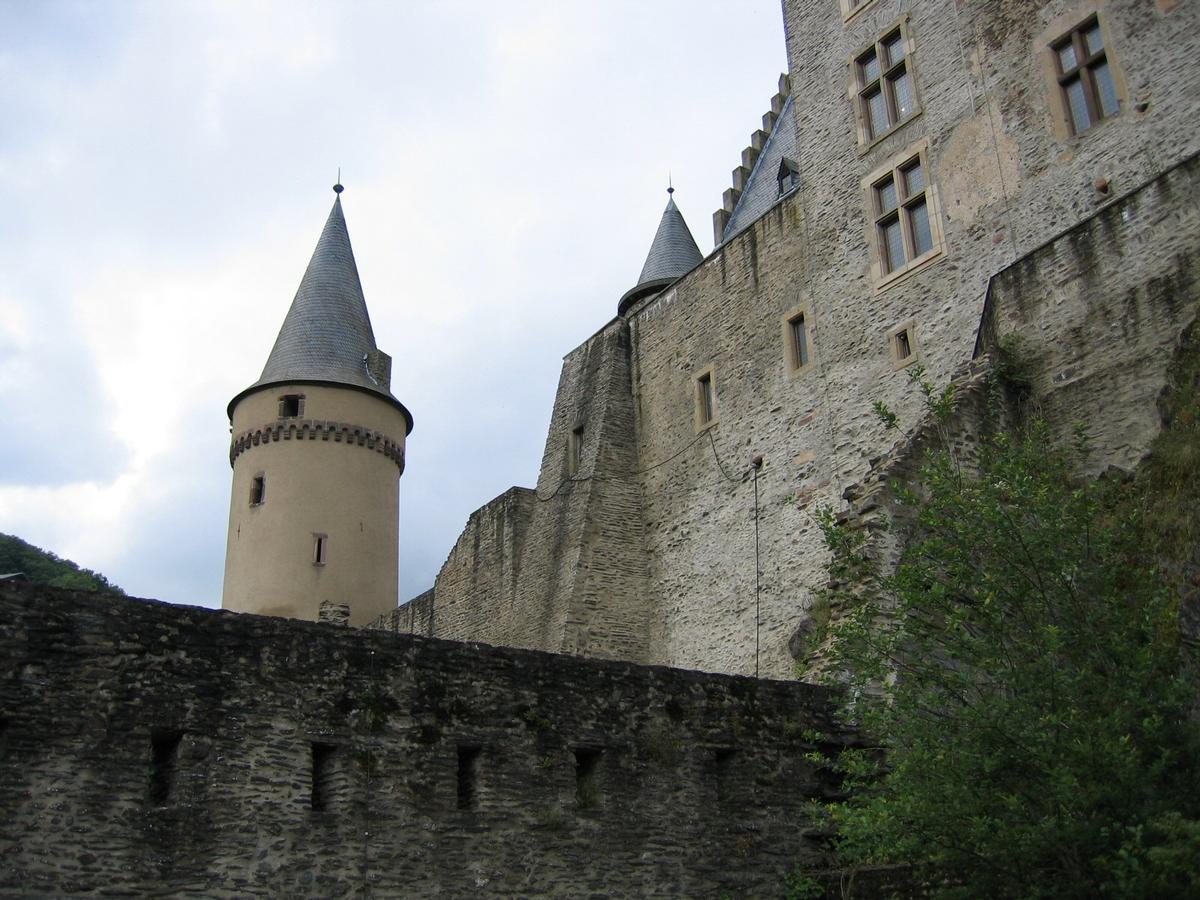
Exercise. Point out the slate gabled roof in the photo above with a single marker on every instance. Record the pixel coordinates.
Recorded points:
(673, 253)
(326, 334)
(762, 190)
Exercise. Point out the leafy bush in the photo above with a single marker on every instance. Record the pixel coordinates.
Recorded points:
(1022, 666)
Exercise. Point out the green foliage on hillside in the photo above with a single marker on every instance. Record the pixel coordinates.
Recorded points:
(1025, 671)
(43, 567)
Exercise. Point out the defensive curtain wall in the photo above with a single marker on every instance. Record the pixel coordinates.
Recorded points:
(155, 749)
(655, 529)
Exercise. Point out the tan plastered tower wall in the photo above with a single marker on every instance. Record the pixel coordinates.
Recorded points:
(333, 473)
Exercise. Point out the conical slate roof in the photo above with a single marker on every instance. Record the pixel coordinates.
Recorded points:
(326, 335)
(673, 253)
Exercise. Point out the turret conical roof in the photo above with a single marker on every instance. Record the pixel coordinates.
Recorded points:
(326, 337)
(673, 253)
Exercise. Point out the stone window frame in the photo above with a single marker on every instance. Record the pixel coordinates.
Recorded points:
(299, 406)
(895, 342)
(894, 168)
(575, 447)
(699, 406)
(258, 489)
(858, 86)
(1059, 30)
(792, 365)
(851, 8)
(320, 554)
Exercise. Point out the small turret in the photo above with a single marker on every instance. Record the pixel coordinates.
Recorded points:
(673, 254)
(317, 453)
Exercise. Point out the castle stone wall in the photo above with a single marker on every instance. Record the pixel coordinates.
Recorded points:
(473, 593)
(700, 497)
(562, 567)
(147, 748)
(728, 582)
(1094, 332)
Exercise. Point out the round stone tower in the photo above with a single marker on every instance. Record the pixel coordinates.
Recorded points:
(317, 453)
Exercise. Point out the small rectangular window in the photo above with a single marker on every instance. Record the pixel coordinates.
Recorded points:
(706, 399)
(321, 797)
(320, 549)
(258, 490)
(883, 80)
(902, 342)
(468, 777)
(788, 175)
(164, 760)
(587, 777)
(574, 449)
(291, 406)
(724, 761)
(799, 335)
(1085, 79)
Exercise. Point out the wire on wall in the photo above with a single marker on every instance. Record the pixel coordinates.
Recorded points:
(755, 465)
(633, 473)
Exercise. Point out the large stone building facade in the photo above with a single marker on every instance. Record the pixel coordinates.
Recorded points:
(925, 167)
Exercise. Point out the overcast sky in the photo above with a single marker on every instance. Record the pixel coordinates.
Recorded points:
(165, 170)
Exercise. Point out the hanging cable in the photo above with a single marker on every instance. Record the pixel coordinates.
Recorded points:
(618, 476)
(720, 465)
(755, 465)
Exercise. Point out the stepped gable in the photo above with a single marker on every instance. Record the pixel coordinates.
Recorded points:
(326, 336)
(673, 253)
(756, 182)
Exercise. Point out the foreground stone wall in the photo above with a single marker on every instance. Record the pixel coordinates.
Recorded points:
(152, 749)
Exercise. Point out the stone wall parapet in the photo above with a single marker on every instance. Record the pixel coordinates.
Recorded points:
(181, 742)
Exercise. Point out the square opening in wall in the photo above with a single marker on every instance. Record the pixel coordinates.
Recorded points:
(164, 760)
(587, 777)
(724, 762)
(321, 796)
(291, 406)
(468, 777)
(574, 449)
(797, 338)
(258, 490)
(902, 344)
(705, 399)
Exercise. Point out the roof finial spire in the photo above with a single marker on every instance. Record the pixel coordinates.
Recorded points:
(337, 188)
(670, 186)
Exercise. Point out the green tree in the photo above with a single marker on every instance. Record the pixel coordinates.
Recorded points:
(43, 567)
(1021, 667)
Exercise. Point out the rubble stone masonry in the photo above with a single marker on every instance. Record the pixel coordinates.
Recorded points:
(1087, 242)
(148, 749)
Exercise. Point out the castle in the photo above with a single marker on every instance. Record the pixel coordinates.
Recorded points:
(932, 178)
(925, 169)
